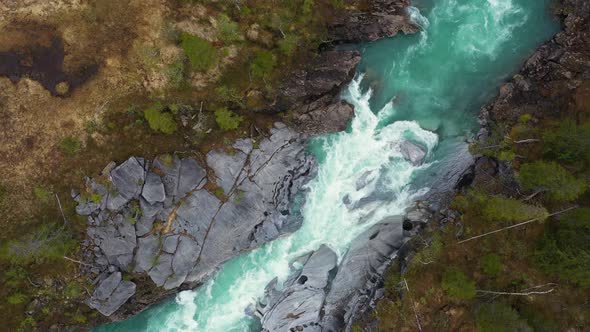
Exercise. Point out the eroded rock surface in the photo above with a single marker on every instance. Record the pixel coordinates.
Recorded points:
(324, 296)
(157, 218)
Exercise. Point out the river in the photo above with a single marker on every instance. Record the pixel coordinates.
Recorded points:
(427, 87)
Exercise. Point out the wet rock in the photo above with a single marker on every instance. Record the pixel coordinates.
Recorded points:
(324, 119)
(111, 294)
(298, 306)
(360, 273)
(382, 18)
(412, 152)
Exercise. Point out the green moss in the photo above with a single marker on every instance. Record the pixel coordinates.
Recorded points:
(227, 120)
(219, 193)
(166, 159)
(17, 298)
(552, 179)
(70, 145)
(456, 284)
(491, 265)
(73, 290)
(263, 65)
(27, 324)
(159, 120)
(41, 193)
(200, 53)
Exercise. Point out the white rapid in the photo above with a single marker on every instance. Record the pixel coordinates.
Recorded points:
(373, 167)
(437, 80)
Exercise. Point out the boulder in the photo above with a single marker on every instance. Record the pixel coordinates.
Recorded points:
(111, 294)
(412, 152)
(129, 177)
(153, 189)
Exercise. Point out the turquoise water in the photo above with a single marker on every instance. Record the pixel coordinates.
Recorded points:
(427, 87)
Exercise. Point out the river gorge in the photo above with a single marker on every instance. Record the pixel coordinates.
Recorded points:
(426, 88)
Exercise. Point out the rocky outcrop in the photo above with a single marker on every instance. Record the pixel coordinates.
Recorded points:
(312, 93)
(322, 296)
(158, 219)
(380, 19)
(413, 152)
(555, 80)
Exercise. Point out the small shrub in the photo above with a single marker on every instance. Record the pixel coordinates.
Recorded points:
(70, 145)
(550, 177)
(263, 64)
(41, 193)
(457, 285)
(159, 120)
(17, 298)
(491, 265)
(200, 53)
(289, 44)
(498, 208)
(227, 120)
(499, 317)
(564, 249)
(229, 30)
(175, 72)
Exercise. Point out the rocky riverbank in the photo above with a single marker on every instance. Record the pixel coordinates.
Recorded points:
(552, 84)
(170, 219)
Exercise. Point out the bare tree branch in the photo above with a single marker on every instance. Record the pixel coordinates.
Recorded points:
(514, 226)
(523, 293)
(76, 261)
(413, 306)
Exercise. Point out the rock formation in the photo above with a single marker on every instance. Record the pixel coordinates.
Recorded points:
(157, 218)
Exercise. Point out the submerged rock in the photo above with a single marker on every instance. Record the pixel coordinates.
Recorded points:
(412, 152)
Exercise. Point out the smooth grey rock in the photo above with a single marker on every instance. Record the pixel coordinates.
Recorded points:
(227, 168)
(147, 250)
(111, 294)
(298, 306)
(169, 165)
(412, 152)
(153, 189)
(360, 272)
(244, 144)
(129, 177)
(162, 269)
(170, 243)
(191, 176)
(115, 201)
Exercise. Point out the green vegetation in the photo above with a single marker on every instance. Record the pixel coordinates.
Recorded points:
(552, 179)
(17, 298)
(229, 30)
(41, 193)
(491, 265)
(200, 53)
(263, 65)
(564, 249)
(70, 145)
(46, 243)
(159, 120)
(498, 208)
(226, 119)
(456, 284)
(289, 44)
(499, 317)
(175, 72)
(568, 143)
